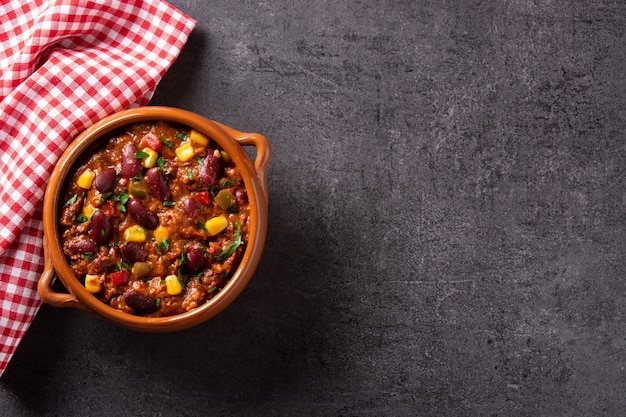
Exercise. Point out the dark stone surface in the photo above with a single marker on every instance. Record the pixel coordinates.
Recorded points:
(447, 221)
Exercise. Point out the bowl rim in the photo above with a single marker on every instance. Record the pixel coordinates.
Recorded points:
(229, 140)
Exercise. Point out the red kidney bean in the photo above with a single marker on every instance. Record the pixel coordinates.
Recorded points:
(131, 166)
(100, 227)
(140, 302)
(158, 185)
(241, 195)
(208, 170)
(195, 259)
(191, 208)
(83, 246)
(141, 214)
(133, 252)
(105, 180)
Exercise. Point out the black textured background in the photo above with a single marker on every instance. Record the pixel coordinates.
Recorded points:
(446, 231)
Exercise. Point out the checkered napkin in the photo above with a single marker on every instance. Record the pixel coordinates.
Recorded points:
(63, 65)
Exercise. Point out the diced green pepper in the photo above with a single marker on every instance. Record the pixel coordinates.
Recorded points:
(225, 199)
(138, 189)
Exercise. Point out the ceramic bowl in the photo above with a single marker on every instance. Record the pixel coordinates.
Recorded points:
(254, 177)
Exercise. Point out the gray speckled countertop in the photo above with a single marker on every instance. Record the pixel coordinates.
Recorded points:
(446, 231)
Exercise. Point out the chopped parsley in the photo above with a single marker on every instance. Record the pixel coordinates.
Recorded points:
(123, 199)
(201, 226)
(232, 246)
(161, 164)
(181, 136)
(166, 142)
(72, 200)
(229, 182)
(168, 203)
(141, 155)
(162, 247)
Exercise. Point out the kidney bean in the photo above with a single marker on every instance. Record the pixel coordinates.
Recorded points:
(140, 302)
(105, 180)
(195, 259)
(100, 227)
(158, 185)
(131, 166)
(191, 207)
(133, 252)
(83, 246)
(208, 170)
(141, 214)
(241, 195)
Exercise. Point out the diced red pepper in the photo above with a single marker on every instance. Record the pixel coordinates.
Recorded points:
(120, 277)
(204, 197)
(152, 141)
(112, 208)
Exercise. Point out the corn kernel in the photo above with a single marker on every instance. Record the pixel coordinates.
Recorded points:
(135, 234)
(88, 211)
(216, 225)
(173, 285)
(161, 233)
(198, 138)
(150, 160)
(185, 152)
(92, 283)
(85, 179)
(226, 157)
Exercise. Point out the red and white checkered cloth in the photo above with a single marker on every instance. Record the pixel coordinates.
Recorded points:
(63, 65)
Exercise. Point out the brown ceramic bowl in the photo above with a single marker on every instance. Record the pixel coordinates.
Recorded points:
(254, 177)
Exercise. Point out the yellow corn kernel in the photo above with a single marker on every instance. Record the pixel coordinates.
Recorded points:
(198, 138)
(135, 234)
(92, 283)
(85, 179)
(216, 225)
(88, 211)
(172, 285)
(161, 233)
(184, 152)
(150, 160)
(226, 157)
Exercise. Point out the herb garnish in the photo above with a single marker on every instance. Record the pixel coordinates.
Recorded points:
(201, 226)
(141, 155)
(166, 142)
(162, 247)
(161, 164)
(123, 199)
(72, 200)
(232, 246)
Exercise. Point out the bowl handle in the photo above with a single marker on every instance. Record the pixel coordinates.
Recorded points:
(263, 152)
(50, 296)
